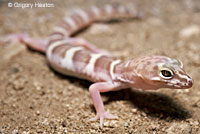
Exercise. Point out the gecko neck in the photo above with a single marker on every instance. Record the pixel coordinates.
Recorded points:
(125, 72)
(121, 69)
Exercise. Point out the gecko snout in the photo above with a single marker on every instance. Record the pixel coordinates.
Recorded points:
(190, 83)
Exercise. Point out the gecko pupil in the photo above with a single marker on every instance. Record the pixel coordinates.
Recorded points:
(166, 73)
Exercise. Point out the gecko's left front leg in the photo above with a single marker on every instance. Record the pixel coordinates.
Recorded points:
(95, 90)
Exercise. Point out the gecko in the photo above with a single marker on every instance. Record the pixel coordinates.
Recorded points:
(79, 58)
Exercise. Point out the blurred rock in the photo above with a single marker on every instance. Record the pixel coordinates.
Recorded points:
(189, 31)
(100, 28)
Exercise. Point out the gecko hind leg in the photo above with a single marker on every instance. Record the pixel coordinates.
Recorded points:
(12, 38)
(34, 43)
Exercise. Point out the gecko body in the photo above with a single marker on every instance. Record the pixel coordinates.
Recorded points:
(77, 57)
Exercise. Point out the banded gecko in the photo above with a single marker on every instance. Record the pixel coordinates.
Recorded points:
(77, 57)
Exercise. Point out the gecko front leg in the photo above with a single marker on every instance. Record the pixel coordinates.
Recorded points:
(95, 90)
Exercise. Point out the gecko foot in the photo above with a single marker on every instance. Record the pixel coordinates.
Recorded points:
(13, 38)
(102, 116)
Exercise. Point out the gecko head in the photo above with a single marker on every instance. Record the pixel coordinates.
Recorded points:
(163, 72)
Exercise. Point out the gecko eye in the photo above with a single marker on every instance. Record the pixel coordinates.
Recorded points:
(166, 73)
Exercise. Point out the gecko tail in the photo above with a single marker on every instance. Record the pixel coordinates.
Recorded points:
(79, 18)
(36, 43)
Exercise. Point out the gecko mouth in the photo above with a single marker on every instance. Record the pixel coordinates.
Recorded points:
(181, 85)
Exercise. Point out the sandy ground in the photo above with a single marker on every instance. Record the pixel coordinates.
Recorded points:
(35, 99)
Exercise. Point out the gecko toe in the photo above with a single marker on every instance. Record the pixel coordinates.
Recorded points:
(94, 118)
(101, 121)
(102, 116)
(111, 116)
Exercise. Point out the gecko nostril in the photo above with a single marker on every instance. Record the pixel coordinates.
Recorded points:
(190, 83)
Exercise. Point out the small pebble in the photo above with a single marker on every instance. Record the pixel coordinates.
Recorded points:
(64, 124)
(126, 124)
(196, 123)
(15, 131)
(134, 110)
(24, 132)
(45, 122)
(37, 85)
(65, 131)
(38, 112)
(19, 84)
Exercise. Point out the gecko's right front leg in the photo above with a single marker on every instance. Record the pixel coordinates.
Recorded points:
(95, 90)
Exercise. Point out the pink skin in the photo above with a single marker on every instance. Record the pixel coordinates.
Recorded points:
(95, 90)
(34, 43)
(88, 45)
(145, 73)
(13, 38)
